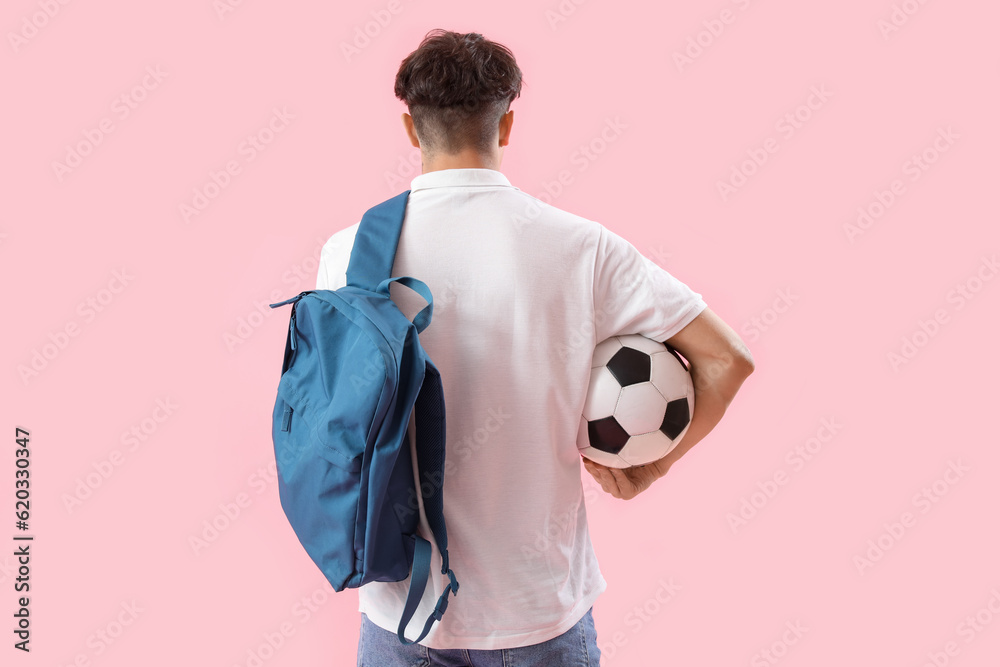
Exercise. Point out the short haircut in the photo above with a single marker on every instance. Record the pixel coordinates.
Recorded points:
(457, 87)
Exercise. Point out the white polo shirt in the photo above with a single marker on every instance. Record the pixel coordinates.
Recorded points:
(523, 292)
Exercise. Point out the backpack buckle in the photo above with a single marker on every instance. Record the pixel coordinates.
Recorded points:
(442, 603)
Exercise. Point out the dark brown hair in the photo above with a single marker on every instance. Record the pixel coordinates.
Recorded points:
(457, 87)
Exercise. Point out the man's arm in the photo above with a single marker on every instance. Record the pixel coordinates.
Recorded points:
(720, 362)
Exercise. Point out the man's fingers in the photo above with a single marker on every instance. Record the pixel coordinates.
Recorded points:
(622, 481)
(607, 480)
(612, 480)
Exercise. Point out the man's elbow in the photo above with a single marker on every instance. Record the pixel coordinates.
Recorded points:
(725, 370)
(737, 360)
(744, 362)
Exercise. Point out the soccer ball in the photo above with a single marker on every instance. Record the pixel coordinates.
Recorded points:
(639, 403)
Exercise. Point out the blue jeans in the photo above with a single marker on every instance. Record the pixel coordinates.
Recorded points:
(577, 647)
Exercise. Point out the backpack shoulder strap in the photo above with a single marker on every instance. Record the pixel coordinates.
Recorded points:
(375, 243)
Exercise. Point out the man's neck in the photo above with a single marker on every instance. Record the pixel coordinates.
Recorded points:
(463, 160)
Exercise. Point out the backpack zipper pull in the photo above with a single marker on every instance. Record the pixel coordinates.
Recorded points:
(287, 301)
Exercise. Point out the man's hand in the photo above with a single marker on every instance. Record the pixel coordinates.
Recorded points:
(624, 483)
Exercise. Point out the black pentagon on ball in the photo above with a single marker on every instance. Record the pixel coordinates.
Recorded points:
(607, 435)
(676, 418)
(630, 366)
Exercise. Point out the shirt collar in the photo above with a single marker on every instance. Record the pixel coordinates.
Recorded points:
(459, 177)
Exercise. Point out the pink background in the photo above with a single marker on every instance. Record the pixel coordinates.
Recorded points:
(164, 332)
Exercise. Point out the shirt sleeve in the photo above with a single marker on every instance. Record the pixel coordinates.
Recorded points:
(633, 295)
(323, 278)
(334, 258)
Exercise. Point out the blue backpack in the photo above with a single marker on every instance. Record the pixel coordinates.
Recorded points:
(353, 371)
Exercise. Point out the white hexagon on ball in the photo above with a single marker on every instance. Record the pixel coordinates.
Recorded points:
(604, 351)
(645, 448)
(640, 409)
(669, 376)
(603, 395)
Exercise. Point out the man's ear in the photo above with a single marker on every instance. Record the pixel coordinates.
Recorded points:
(506, 121)
(411, 132)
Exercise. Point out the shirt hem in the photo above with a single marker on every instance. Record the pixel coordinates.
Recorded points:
(494, 642)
